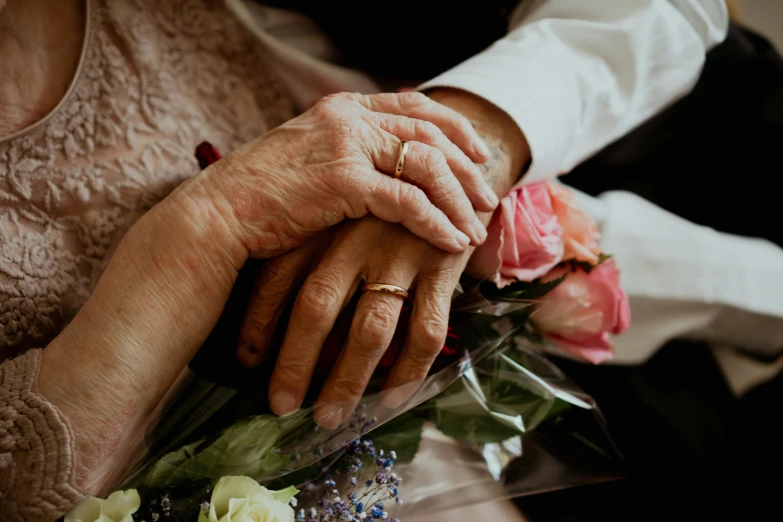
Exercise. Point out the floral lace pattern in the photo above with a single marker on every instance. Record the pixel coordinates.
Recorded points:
(157, 78)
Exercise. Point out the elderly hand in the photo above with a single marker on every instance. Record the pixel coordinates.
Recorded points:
(372, 251)
(169, 278)
(333, 162)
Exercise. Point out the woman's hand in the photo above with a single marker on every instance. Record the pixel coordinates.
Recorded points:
(365, 250)
(372, 251)
(334, 162)
(169, 278)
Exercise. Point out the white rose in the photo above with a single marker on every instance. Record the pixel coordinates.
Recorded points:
(242, 499)
(117, 508)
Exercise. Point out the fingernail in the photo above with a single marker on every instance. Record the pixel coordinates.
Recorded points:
(462, 240)
(482, 149)
(329, 416)
(480, 230)
(283, 403)
(492, 197)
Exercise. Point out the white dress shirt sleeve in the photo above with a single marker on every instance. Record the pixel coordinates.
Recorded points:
(578, 74)
(689, 281)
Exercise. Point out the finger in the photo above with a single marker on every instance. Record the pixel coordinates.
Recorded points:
(372, 329)
(426, 167)
(468, 173)
(396, 201)
(272, 292)
(416, 105)
(426, 336)
(314, 313)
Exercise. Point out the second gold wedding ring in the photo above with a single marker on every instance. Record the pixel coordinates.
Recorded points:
(401, 158)
(383, 287)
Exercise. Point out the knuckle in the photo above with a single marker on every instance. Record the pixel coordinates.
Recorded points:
(377, 325)
(320, 293)
(346, 387)
(258, 317)
(276, 274)
(410, 196)
(430, 336)
(433, 160)
(418, 362)
(427, 131)
(327, 107)
(412, 98)
(288, 372)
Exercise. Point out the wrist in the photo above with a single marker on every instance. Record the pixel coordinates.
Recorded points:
(506, 141)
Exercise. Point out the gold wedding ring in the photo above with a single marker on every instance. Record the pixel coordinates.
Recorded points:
(401, 159)
(383, 287)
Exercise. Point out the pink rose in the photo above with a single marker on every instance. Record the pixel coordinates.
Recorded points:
(579, 314)
(524, 239)
(580, 232)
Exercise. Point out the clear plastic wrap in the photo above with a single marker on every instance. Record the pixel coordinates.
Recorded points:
(493, 418)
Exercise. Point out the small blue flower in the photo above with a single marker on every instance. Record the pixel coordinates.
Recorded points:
(368, 483)
(360, 507)
(393, 455)
(330, 483)
(353, 481)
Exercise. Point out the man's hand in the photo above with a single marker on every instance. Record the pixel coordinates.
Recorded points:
(373, 251)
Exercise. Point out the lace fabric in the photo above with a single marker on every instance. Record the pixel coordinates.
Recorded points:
(36, 462)
(156, 79)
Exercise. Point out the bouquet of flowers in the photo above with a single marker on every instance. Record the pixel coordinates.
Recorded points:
(494, 418)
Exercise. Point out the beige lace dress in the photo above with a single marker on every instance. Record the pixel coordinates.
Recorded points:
(155, 79)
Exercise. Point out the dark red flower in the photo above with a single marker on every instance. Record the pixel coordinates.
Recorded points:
(450, 347)
(207, 154)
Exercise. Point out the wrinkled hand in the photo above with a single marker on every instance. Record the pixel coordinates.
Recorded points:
(372, 251)
(365, 250)
(333, 161)
(140, 327)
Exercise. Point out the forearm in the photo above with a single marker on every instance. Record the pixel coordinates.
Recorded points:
(112, 365)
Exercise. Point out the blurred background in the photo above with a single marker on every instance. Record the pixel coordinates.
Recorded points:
(764, 16)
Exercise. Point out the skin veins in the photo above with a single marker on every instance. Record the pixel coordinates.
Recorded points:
(509, 150)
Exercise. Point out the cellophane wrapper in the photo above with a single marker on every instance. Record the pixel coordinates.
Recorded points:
(495, 418)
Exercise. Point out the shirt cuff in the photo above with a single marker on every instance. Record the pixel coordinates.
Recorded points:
(529, 88)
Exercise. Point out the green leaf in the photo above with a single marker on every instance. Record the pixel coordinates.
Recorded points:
(284, 495)
(587, 267)
(401, 435)
(535, 290)
(246, 448)
(499, 401)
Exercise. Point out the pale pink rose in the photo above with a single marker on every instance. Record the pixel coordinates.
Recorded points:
(579, 314)
(580, 232)
(524, 239)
